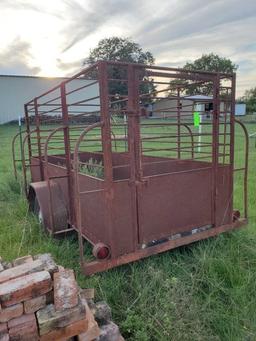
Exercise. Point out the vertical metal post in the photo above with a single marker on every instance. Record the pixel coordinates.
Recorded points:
(130, 110)
(67, 150)
(134, 151)
(225, 109)
(125, 133)
(39, 139)
(28, 131)
(215, 144)
(107, 153)
(136, 119)
(131, 144)
(232, 135)
(23, 156)
(20, 132)
(178, 121)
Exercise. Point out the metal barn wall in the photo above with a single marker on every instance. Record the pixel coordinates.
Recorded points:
(17, 90)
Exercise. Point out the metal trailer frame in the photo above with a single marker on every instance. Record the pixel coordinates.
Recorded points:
(146, 203)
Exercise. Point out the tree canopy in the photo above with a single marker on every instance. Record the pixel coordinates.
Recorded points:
(120, 49)
(207, 62)
(249, 99)
(212, 62)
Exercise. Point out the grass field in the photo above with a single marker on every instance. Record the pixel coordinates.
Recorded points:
(205, 291)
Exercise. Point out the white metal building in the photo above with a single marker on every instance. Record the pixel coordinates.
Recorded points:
(15, 91)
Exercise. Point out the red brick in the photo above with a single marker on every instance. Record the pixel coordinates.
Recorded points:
(49, 319)
(64, 333)
(93, 330)
(24, 288)
(18, 321)
(4, 336)
(49, 264)
(34, 304)
(49, 297)
(3, 329)
(65, 290)
(11, 312)
(21, 270)
(23, 328)
(22, 260)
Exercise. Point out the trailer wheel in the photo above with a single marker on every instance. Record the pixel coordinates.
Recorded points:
(38, 198)
(36, 210)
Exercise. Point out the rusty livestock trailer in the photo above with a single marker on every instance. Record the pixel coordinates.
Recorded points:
(100, 159)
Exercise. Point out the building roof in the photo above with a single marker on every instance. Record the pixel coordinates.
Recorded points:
(198, 97)
(27, 76)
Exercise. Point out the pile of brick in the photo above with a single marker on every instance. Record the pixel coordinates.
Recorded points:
(42, 301)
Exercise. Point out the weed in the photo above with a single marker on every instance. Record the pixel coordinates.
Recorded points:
(93, 168)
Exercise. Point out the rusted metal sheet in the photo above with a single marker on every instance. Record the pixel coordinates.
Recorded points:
(39, 202)
(174, 203)
(98, 266)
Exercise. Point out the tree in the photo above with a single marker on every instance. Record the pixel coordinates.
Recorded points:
(121, 50)
(249, 99)
(212, 62)
(207, 62)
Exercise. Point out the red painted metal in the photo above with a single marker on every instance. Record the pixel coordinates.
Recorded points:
(245, 168)
(101, 251)
(129, 184)
(15, 160)
(99, 266)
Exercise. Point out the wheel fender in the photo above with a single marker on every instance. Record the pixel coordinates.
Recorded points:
(39, 191)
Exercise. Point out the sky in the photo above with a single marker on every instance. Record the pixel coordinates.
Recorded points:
(53, 37)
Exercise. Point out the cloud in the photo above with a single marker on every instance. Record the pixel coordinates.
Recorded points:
(175, 31)
(69, 67)
(16, 57)
(190, 18)
(186, 30)
(27, 5)
(83, 20)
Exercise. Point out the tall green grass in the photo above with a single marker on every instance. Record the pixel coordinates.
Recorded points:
(205, 291)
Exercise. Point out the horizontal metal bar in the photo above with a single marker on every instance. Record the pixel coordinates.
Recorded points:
(82, 87)
(93, 191)
(98, 266)
(57, 177)
(239, 169)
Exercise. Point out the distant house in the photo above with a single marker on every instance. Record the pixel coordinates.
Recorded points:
(168, 106)
(15, 91)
